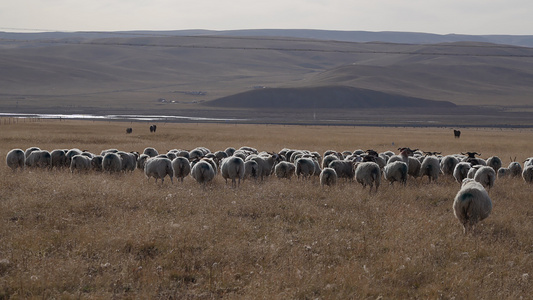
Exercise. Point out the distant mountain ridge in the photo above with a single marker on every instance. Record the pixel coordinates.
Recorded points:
(336, 35)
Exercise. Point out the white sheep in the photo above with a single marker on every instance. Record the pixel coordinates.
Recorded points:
(80, 163)
(343, 168)
(430, 167)
(71, 153)
(368, 173)
(159, 168)
(30, 150)
(305, 167)
(494, 162)
(181, 167)
(39, 158)
(396, 171)
(141, 161)
(486, 176)
(232, 168)
(527, 174)
(471, 204)
(515, 169)
(58, 158)
(150, 151)
(203, 172)
(460, 171)
(96, 163)
(328, 177)
(111, 162)
(447, 164)
(473, 170)
(251, 169)
(285, 169)
(503, 173)
(129, 161)
(15, 159)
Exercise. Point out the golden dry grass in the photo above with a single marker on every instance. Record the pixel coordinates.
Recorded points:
(107, 236)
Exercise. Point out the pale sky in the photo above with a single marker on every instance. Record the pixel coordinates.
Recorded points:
(430, 16)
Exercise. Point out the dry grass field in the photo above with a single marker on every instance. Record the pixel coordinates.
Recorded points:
(102, 236)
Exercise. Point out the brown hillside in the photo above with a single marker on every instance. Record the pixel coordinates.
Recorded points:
(333, 97)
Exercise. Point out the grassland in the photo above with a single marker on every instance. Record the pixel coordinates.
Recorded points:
(103, 236)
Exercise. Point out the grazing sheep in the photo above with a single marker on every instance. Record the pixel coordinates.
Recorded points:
(343, 169)
(104, 152)
(96, 163)
(494, 162)
(141, 161)
(285, 169)
(473, 170)
(159, 168)
(150, 152)
(368, 173)
(129, 161)
(486, 176)
(112, 163)
(430, 167)
(265, 162)
(460, 171)
(396, 171)
(328, 177)
(29, 151)
(229, 151)
(527, 174)
(80, 163)
(471, 204)
(71, 153)
(181, 167)
(413, 169)
(515, 169)
(202, 172)
(503, 173)
(39, 158)
(447, 164)
(251, 169)
(328, 159)
(305, 167)
(15, 159)
(58, 158)
(153, 128)
(232, 168)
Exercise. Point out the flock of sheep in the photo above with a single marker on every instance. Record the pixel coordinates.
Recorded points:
(472, 203)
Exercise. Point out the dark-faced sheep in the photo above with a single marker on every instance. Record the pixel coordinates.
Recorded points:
(15, 159)
(471, 204)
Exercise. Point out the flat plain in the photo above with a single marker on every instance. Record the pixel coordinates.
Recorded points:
(100, 236)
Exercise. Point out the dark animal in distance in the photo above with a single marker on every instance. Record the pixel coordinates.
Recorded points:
(457, 133)
(153, 128)
(129, 130)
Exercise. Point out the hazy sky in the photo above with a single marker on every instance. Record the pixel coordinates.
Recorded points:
(431, 16)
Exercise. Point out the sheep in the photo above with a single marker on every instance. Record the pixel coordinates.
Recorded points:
(460, 171)
(527, 174)
(15, 159)
(251, 169)
(181, 167)
(129, 161)
(473, 170)
(141, 161)
(96, 163)
(159, 168)
(494, 162)
(486, 176)
(285, 169)
(473, 160)
(202, 172)
(58, 158)
(305, 167)
(471, 204)
(232, 168)
(111, 162)
(368, 173)
(328, 159)
(430, 167)
(265, 162)
(515, 169)
(328, 177)
(81, 163)
(503, 173)
(71, 153)
(38, 158)
(30, 150)
(150, 152)
(413, 168)
(447, 164)
(229, 151)
(396, 171)
(343, 169)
